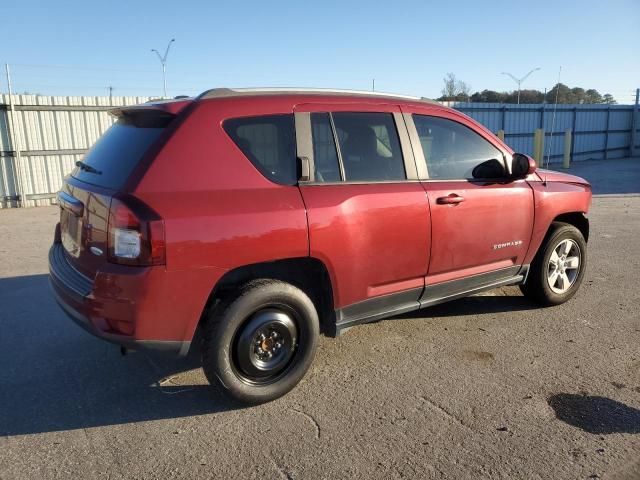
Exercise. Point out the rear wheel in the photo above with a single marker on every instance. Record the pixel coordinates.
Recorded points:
(258, 344)
(557, 270)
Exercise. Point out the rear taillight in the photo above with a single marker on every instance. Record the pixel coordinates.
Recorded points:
(136, 234)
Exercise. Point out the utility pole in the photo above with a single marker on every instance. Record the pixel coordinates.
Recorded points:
(544, 103)
(8, 72)
(163, 61)
(13, 140)
(373, 84)
(634, 124)
(520, 80)
(110, 95)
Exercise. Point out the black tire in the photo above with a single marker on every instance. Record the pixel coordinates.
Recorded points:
(230, 353)
(538, 287)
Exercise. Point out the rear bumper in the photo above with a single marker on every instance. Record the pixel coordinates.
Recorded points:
(122, 340)
(79, 298)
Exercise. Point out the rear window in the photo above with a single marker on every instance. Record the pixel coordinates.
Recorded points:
(114, 156)
(269, 142)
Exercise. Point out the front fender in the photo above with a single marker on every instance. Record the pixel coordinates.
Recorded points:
(552, 199)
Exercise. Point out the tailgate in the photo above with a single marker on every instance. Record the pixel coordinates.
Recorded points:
(84, 217)
(85, 197)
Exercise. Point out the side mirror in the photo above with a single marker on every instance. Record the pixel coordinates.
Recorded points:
(489, 169)
(522, 165)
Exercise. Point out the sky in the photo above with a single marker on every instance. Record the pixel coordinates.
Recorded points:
(83, 47)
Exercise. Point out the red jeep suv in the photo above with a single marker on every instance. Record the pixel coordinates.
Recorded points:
(259, 218)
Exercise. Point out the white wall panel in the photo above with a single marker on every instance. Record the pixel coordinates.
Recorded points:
(48, 131)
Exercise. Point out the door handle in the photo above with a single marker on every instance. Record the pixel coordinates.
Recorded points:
(451, 199)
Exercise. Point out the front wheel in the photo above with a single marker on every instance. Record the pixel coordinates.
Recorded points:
(557, 270)
(258, 344)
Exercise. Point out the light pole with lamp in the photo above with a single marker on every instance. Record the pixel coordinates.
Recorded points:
(520, 80)
(163, 61)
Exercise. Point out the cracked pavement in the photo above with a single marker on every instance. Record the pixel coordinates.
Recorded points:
(489, 386)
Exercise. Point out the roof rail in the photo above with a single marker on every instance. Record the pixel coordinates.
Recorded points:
(238, 92)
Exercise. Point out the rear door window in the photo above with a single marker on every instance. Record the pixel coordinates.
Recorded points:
(325, 156)
(269, 142)
(114, 156)
(369, 146)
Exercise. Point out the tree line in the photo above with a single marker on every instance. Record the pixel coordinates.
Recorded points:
(459, 91)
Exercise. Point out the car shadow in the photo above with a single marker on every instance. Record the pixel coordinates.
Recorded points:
(472, 306)
(54, 376)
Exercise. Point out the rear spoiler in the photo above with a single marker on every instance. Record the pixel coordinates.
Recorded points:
(169, 107)
(150, 115)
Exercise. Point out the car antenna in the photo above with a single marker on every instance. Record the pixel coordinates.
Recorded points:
(553, 125)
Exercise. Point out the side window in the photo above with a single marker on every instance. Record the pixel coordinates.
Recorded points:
(369, 146)
(269, 143)
(325, 156)
(450, 149)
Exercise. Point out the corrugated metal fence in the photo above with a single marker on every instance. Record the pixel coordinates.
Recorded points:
(41, 137)
(599, 131)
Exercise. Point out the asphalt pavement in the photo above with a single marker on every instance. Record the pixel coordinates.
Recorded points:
(485, 387)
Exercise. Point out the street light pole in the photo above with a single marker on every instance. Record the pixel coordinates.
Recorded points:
(163, 61)
(520, 80)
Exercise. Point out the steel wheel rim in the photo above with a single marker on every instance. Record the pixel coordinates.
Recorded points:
(266, 344)
(564, 266)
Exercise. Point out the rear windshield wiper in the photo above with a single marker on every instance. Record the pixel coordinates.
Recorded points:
(87, 168)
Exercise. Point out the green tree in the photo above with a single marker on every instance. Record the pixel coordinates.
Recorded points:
(560, 92)
(529, 96)
(488, 96)
(592, 96)
(575, 95)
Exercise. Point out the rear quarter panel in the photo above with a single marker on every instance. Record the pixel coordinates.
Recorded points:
(219, 211)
